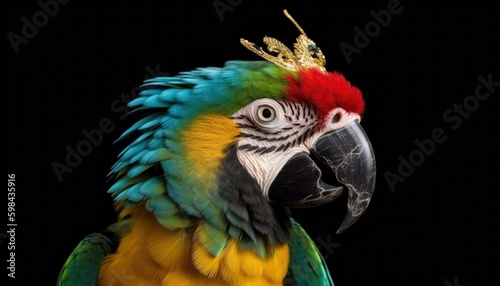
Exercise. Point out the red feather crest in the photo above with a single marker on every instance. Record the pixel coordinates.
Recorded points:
(325, 91)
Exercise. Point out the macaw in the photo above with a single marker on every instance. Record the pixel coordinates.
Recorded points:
(205, 186)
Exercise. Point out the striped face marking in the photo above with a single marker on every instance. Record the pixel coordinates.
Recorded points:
(269, 126)
(271, 132)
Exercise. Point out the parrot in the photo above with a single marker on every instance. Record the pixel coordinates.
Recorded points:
(215, 164)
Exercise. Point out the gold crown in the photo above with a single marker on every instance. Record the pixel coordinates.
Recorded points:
(305, 54)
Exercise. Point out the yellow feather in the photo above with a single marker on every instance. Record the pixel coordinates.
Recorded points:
(132, 257)
(252, 265)
(153, 255)
(189, 278)
(205, 141)
(231, 263)
(205, 262)
(241, 267)
(116, 271)
(259, 282)
(276, 267)
(169, 249)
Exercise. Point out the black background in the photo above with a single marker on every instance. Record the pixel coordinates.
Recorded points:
(438, 227)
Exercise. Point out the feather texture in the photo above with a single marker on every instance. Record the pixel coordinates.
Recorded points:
(83, 264)
(197, 215)
(307, 266)
(154, 255)
(190, 214)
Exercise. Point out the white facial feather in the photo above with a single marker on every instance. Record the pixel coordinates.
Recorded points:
(273, 131)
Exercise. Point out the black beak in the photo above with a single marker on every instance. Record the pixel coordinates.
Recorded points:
(349, 155)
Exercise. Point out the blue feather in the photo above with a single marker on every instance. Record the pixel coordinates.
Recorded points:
(183, 95)
(155, 102)
(123, 184)
(137, 157)
(149, 92)
(162, 206)
(117, 167)
(139, 169)
(137, 102)
(138, 124)
(160, 133)
(168, 95)
(151, 123)
(177, 192)
(177, 110)
(155, 143)
(153, 187)
(155, 156)
(133, 150)
(130, 194)
(171, 123)
(209, 209)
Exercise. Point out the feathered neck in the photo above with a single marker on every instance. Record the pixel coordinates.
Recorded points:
(258, 224)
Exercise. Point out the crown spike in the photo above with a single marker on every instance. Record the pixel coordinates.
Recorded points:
(294, 22)
(305, 54)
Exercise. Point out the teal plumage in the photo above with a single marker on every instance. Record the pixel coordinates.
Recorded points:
(307, 266)
(224, 204)
(176, 101)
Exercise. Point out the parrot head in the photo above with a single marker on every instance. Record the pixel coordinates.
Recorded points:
(233, 148)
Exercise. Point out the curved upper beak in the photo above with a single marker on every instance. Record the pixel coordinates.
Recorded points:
(349, 155)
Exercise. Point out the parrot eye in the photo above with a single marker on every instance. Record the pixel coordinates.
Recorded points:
(266, 113)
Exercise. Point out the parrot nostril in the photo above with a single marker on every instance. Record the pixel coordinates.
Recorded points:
(336, 118)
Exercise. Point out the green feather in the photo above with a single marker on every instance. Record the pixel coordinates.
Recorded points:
(176, 221)
(162, 206)
(212, 238)
(143, 190)
(83, 264)
(307, 267)
(153, 187)
(177, 192)
(209, 210)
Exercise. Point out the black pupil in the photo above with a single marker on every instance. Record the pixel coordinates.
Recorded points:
(266, 113)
